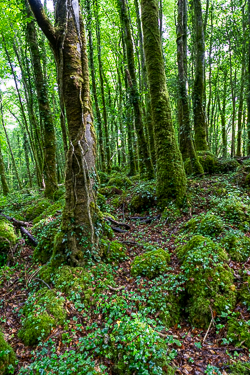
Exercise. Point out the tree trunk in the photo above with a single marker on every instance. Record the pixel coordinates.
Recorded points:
(185, 126)
(145, 163)
(93, 76)
(248, 88)
(76, 243)
(2, 174)
(200, 126)
(171, 178)
(44, 110)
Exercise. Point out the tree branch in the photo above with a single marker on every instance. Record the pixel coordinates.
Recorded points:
(43, 21)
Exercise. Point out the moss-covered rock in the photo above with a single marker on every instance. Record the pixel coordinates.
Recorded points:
(137, 348)
(7, 357)
(209, 284)
(43, 311)
(45, 232)
(36, 209)
(150, 264)
(227, 165)
(208, 161)
(120, 181)
(8, 238)
(238, 331)
(207, 224)
(170, 214)
(109, 191)
(233, 210)
(237, 245)
(69, 279)
(52, 210)
(240, 368)
(113, 251)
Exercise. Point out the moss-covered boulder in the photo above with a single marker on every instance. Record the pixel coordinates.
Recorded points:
(50, 212)
(208, 161)
(36, 209)
(240, 368)
(109, 191)
(43, 311)
(8, 238)
(150, 264)
(238, 331)
(120, 181)
(227, 165)
(237, 245)
(69, 279)
(135, 347)
(113, 251)
(209, 284)
(45, 232)
(207, 224)
(7, 357)
(233, 210)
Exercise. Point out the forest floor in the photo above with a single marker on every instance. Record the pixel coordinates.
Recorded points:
(117, 295)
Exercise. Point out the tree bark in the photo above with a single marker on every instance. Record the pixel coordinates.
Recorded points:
(145, 163)
(44, 110)
(171, 178)
(76, 242)
(188, 149)
(200, 126)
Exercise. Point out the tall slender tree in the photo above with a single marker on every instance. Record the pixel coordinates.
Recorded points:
(171, 178)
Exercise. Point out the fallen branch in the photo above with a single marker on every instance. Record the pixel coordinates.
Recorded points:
(27, 234)
(15, 222)
(117, 223)
(115, 289)
(118, 230)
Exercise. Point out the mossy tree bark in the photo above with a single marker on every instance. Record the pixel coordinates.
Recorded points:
(200, 126)
(94, 89)
(171, 178)
(248, 87)
(187, 149)
(49, 158)
(2, 175)
(77, 241)
(145, 162)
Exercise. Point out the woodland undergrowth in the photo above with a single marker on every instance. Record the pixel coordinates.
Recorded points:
(169, 294)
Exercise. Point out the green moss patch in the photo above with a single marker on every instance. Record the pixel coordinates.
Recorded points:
(36, 209)
(43, 311)
(52, 210)
(239, 331)
(7, 357)
(240, 368)
(109, 191)
(207, 224)
(237, 245)
(113, 251)
(136, 348)
(68, 279)
(8, 238)
(209, 284)
(150, 264)
(120, 181)
(233, 210)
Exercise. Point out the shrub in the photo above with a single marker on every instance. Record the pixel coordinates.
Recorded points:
(7, 357)
(150, 264)
(209, 284)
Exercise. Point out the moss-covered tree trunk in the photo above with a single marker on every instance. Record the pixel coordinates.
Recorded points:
(77, 241)
(94, 89)
(171, 178)
(248, 86)
(145, 163)
(2, 174)
(200, 127)
(49, 158)
(188, 149)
